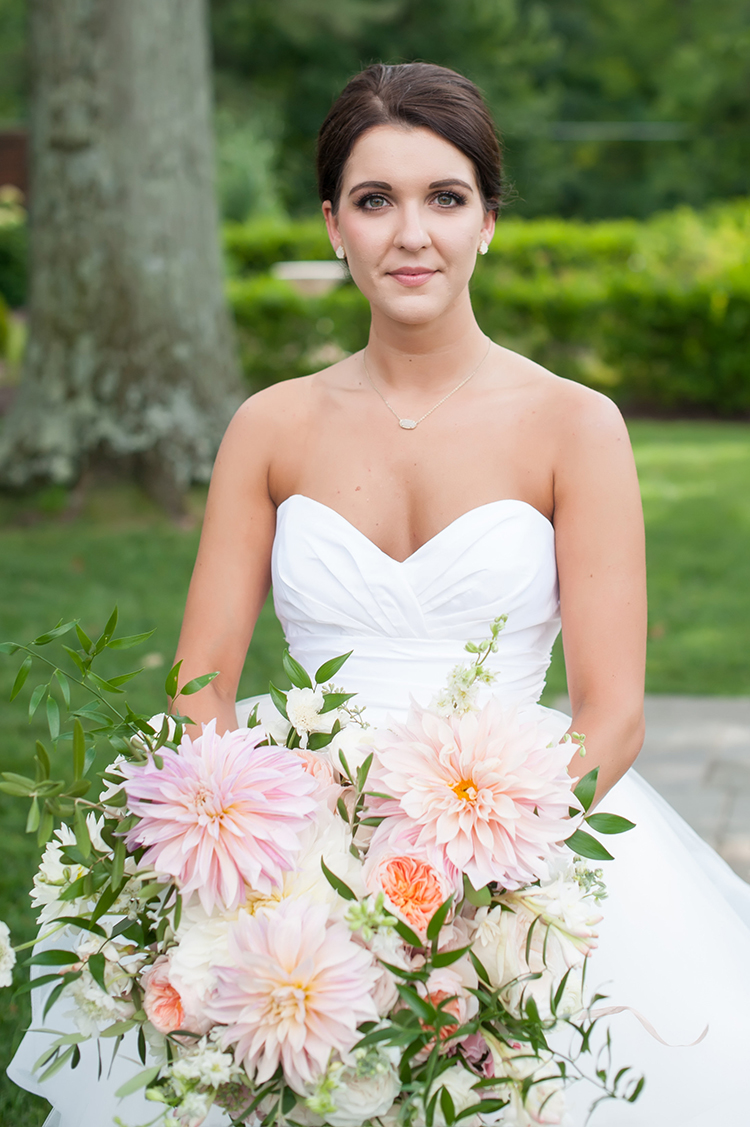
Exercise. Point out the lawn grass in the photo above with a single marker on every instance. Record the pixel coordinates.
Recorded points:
(695, 482)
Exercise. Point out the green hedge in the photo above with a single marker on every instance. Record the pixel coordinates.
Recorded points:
(655, 314)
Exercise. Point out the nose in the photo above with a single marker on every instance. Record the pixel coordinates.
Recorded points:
(412, 234)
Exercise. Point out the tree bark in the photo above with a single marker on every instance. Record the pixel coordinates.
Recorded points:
(130, 357)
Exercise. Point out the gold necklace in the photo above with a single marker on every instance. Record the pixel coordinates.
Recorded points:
(411, 424)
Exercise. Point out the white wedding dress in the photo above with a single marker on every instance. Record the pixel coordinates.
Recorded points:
(675, 941)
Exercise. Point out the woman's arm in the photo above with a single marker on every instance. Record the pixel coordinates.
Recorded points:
(232, 573)
(601, 564)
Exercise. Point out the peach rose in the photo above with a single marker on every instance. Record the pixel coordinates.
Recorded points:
(162, 1003)
(412, 887)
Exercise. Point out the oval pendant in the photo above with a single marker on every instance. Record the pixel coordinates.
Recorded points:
(407, 424)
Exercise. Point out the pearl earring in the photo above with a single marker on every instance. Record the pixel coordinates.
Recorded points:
(340, 252)
(484, 246)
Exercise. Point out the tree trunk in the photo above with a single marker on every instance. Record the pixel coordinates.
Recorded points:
(130, 358)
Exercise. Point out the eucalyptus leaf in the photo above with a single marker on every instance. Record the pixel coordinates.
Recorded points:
(586, 788)
(53, 717)
(609, 823)
(126, 644)
(36, 698)
(337, 883)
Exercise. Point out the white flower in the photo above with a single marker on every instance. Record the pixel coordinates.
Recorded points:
(54, 876)
(361, 1087)
(355, 742)
(156, 724)
(303, 708)
(7, 956)
(545, 1098)
(459, 1083)
(193, 1108)
(206, 1064)
(94, 1009)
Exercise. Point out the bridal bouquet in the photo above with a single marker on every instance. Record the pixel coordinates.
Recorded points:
(310, 920)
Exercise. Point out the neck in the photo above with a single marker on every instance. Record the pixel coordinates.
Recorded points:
(428, 355)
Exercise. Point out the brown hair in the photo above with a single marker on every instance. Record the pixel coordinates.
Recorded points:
(418, 96)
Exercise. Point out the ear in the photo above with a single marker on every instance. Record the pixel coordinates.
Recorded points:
(488, 227)
(331, 224)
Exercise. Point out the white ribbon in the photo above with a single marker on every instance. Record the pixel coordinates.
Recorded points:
(608, 1010)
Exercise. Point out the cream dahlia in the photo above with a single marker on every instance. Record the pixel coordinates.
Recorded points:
(295, 990)
(221, 815)
(484, 788)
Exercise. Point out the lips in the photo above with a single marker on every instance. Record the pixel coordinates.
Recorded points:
(412, 275)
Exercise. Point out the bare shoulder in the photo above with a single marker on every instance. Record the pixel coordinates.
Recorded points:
(568, 411)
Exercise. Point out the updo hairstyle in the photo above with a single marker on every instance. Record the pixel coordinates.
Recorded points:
(417, 96)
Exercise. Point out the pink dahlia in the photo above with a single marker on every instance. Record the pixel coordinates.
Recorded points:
(222, 815)
(295, 991)
(484, 788)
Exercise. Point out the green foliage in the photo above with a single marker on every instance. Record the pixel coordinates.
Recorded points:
(539, 64)
(13, 251)
(655, 314)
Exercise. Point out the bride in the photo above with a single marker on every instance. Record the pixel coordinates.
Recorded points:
(405, 497)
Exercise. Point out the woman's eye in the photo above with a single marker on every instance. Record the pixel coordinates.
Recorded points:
(449, 199)
(372, 203)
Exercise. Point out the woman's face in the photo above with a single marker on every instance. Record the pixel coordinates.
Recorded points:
(410, 219)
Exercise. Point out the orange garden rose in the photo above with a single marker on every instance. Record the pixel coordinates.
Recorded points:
(413, 888)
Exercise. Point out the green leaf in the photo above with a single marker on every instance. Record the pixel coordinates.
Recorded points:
(36, 698)
(141, 1080)
(100, 683)
(118, 862)
(329, 669)
(609, 823)
(126, 644)
(335, 882)
(46, 826)
(34, 817)
(479, 967)
(64, 684)
(79, 750)
(197, 684)
(407, 934)
(445, 958)
(9, 647)
(106, 634)
(417, 1005)
(123, 678)
(82, 923)
(170, 684)
(53, 717)
(437, 921)
(335, 700)
(77, 789)
(586, 788)
(364, 771)
(483, 1107)
(447, 1106)
(96, 965)
(52, 958)
(479, 897)
(316, 741)
(84, 639)
(278, 698)
(83, 839)
(587, 846)
(75, 658)
(21, 676)
(118, 1028)
(294, 671)
(59, 630)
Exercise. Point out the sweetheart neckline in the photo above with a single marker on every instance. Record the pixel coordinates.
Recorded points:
(432, 539)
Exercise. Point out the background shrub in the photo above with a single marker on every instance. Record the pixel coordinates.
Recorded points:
(656, 314)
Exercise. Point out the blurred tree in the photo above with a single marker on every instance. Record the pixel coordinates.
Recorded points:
(130, 359)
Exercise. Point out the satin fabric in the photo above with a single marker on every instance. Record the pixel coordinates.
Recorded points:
(675, 941)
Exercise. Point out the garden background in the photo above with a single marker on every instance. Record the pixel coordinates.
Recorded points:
(622, 260)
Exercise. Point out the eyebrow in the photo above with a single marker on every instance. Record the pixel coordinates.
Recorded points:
(388, 187)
